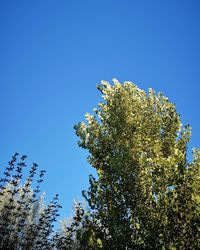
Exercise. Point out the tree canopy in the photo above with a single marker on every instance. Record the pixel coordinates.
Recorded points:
(146, 195)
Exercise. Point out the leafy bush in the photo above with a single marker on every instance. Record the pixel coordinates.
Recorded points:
(25, 222)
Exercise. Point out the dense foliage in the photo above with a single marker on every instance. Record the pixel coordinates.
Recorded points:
(146, 194)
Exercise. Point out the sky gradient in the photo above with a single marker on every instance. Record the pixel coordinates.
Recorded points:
(52, 55)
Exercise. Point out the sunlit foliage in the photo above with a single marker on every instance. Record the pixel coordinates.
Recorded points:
(146, 195)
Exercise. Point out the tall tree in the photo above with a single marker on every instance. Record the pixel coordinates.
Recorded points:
(147, 194)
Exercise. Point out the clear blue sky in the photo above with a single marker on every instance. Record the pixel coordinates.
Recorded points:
(52, 55)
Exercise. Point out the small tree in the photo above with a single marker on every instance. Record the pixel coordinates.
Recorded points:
(71, 234)
(147, 194)
(25, 222)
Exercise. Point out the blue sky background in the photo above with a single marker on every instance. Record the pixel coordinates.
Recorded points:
(52, 55)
